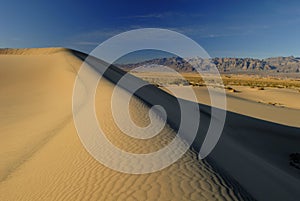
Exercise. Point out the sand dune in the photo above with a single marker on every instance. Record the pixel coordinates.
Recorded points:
(42, 157)
(33, 51)
(251, 151)
(35, 98)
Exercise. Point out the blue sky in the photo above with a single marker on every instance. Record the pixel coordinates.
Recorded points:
(235, 28)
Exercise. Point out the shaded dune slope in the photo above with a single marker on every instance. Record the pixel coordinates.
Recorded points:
(251, 151)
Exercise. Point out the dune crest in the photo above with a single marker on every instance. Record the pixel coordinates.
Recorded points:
(32, 51)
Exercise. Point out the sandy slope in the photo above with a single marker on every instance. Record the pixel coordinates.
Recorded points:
(42, 158)
(252, 151)
(255, 149)
(35, 98)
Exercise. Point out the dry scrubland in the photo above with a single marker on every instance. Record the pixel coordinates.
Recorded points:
(282, 92)
(251, 81)
(42, 158)
(194, 79)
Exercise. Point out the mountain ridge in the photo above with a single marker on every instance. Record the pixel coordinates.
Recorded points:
(288, 64)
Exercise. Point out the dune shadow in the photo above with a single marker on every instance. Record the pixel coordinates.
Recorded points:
(261, 157)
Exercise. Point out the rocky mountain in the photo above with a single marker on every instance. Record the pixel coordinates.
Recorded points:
(277, 64)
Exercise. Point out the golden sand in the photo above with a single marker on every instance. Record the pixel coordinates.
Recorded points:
(42, 158)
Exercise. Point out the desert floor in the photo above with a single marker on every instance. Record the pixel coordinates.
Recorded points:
(272, 104)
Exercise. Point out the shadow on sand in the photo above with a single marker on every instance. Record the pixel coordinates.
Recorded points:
(252, 155)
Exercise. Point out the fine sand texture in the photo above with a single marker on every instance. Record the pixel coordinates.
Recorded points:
(252, 151)
(42, 157)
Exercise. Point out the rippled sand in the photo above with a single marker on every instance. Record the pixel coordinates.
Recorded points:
(42, 158)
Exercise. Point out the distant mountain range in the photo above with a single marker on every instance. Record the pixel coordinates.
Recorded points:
(234, 65)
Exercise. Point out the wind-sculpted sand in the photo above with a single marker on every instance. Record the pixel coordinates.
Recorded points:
(259, 142)
(42, 158)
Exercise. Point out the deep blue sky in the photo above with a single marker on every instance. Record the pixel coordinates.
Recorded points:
(239, 28)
